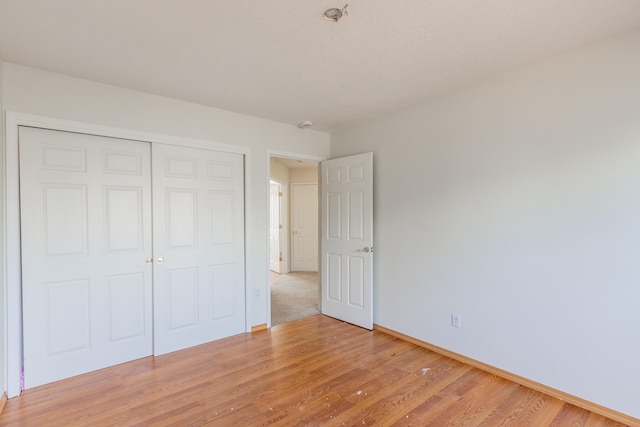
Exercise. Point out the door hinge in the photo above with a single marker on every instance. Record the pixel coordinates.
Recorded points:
(280, 193)
(280, 227)
(281, 257)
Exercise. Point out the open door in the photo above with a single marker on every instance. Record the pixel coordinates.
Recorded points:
(346, 242)
(275, 227)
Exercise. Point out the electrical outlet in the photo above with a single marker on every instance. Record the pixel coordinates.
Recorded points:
(455, 320)
(256, 293)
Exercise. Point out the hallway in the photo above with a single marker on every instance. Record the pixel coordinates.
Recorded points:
(294, 296)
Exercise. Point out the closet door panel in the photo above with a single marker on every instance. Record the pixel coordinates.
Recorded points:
(85, 205)
(198, 246)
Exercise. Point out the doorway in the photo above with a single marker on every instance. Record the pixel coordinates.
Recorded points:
(294, 288)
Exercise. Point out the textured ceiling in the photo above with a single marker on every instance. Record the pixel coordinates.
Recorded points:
(282, 60)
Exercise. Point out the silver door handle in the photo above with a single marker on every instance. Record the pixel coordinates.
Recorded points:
(160, 260)
(149, 260)
(366, 249)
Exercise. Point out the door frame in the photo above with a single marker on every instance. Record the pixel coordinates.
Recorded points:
(13, 300)
(297, 156)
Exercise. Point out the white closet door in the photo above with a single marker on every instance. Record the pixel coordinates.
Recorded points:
(198, 246)
(86, 232)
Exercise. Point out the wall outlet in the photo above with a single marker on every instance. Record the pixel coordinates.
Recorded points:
(256, 293)
(455, 320)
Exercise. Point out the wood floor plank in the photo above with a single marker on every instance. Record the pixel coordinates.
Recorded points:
(315, 371)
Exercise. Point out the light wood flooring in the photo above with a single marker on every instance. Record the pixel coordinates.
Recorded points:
(311, 372)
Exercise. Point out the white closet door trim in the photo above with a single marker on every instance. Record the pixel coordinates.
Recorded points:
(12, 297)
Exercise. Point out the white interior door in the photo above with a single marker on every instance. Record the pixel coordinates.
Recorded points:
(275, 226)
(198, 246)
(86, 232)
(304, 218)
(347, 239)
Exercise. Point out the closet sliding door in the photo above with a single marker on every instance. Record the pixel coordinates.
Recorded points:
(198, 245)
(129, 249)
(85, 206)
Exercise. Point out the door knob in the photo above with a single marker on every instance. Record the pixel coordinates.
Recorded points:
(148, 260)
(160, 260)
(366, 249)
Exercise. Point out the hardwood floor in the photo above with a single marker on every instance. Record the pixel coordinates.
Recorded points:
(314, 371)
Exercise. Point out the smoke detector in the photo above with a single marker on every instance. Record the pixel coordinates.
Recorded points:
(305, 124)
(334, 13)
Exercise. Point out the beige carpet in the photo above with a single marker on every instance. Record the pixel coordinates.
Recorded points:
(294, 296)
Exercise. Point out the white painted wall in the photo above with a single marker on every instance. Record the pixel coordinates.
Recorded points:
(32, 91)
(516, 203)
(3, 279)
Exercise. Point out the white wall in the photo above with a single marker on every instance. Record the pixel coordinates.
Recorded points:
(3, 313)
(32, 91)
(516, 203)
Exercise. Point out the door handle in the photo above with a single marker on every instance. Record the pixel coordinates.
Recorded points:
(149, 260)
(160, 260)
(366, 249)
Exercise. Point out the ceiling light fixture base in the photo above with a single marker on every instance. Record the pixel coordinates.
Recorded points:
(334, 13)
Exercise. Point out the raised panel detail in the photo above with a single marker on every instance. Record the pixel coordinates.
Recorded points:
(334, 175)
(221, 217)
(356, 173)
(356, 215)
(124, 218)
(121, 163)
(307, 248)
(68, 315)
(181, 167)
(219, 171)
(356, 281)
(222, 281)
(182, 287)
(56, 158)
(65, 219)
(334, 216)
(334, 274)
(181, 217)
(126, 306)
